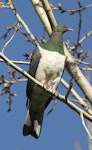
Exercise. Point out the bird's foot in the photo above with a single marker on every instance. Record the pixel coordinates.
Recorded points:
(56, 93)
(47, 85)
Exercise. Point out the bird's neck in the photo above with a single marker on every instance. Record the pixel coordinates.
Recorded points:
(56, 36)
(57, 41)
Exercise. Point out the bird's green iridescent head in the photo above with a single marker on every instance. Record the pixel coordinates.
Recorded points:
(62, 29)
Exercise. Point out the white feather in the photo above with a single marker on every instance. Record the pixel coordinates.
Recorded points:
(50, 67)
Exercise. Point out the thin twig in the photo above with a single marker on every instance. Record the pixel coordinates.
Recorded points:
(78, 61)
(6, 44)
(17, 80)
(76, 95)
(84, 125)
(79, 29)
(75, 10)
(86, 69)
(59, 96)
(82, 39)
(17, 62)
(77, 75)
(69, 89)
(16, 27)
(2, 5)
(53, 107)
(80, 22)
(85, 36)
(12, 7)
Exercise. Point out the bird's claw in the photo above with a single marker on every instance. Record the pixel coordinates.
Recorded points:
(56, 93)
(46, 85)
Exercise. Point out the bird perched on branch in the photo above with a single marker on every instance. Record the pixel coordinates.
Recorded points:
(47, 66)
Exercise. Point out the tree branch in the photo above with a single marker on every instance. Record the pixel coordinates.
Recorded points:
(72, 67)
(17, 62)
(75, 10)
(49, 12)
(62, 98)
(38, 6)
(79, 78)
(77, 75)
(12, 7)
(84, 125)
(82, 39)
(79, 99)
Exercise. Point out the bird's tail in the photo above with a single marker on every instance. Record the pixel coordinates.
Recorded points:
(33, 123)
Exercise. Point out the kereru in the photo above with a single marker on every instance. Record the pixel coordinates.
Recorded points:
(47, 66)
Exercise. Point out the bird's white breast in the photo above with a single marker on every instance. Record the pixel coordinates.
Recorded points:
(50, 67)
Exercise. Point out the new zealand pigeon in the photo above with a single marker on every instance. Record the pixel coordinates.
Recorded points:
(47, 66)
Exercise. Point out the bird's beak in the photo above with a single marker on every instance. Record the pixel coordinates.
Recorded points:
(70, 29)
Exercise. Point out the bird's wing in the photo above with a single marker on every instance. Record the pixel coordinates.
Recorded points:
(32, 70)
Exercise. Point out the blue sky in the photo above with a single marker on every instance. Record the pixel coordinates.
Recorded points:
(62, 129)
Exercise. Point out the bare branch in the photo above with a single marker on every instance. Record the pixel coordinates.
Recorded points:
(82, 62)
(69, 90)
(80, 22)
(38, 6)
(76, 95)
(82, 39)
(17, 62)
(45, 13)
(6, 44)
(86, 69)
(49, 12)
(75, 10)
(60, 97)
(2, 5)
(84, 125)
(79, 78)
(12, 7)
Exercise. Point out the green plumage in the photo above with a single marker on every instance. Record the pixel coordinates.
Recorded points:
(56, 42)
